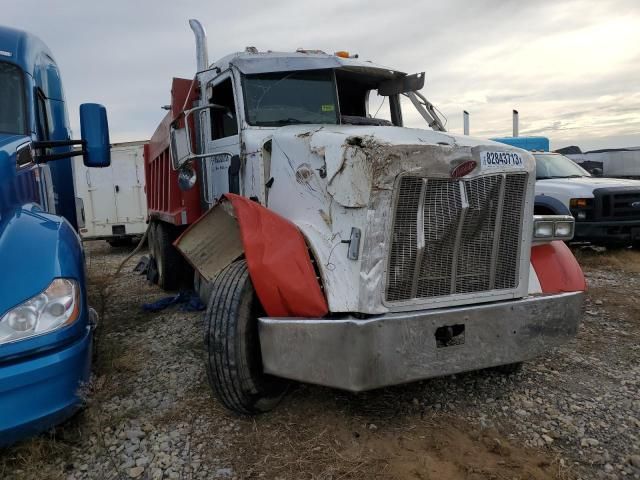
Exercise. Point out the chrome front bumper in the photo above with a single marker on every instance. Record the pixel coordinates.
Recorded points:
(357, 355)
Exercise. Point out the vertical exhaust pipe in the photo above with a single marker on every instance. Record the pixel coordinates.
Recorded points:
(465, 117)
(202, 57)
(515, 123)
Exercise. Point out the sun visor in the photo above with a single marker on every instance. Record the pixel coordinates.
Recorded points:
(274, 63)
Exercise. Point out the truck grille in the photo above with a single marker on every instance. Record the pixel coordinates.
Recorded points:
(453, 236)
(621, 203)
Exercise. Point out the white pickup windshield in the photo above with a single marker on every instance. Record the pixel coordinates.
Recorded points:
(553, 165)
(12, 111)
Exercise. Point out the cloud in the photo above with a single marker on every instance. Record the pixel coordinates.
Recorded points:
(570, 67)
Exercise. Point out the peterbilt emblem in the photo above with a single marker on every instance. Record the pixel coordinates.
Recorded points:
(464, 169)
(635, 204)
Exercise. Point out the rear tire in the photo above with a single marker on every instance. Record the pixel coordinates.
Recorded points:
(202, 287)
(169, 263)
(233, 357)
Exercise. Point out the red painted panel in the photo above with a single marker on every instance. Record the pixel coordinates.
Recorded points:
(165, 200)
(557, 269)
(278, 261)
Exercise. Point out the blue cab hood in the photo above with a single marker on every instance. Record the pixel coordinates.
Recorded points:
(35, 246)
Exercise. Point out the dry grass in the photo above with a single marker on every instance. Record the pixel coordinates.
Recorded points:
(623, 260)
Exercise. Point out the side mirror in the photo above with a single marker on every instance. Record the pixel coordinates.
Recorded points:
(180, 146)
(180, 136)
(596, 171)
(94, 131)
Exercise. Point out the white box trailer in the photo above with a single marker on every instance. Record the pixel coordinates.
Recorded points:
(611, 162)
(113, 199)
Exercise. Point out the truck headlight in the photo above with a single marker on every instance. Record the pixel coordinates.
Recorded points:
(563, 229)
(542, 229)
(55, 307)
(552, 227)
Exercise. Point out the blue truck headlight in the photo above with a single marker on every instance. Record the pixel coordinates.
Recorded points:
(55, 307)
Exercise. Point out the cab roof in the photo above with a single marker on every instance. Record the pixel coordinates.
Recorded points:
(22, 48)
(251, 62)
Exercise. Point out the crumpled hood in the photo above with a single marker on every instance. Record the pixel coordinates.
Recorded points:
(388, 135)
(582, 186)
(332, 181)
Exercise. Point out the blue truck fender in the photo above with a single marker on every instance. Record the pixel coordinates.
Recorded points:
(553, 204)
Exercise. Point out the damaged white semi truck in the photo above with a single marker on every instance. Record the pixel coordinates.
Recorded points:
(343, 250)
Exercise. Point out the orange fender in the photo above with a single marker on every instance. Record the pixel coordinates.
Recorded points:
(278, 261)
(557, 269)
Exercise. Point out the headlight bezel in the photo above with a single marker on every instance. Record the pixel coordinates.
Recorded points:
(547, 228)
(56, 307)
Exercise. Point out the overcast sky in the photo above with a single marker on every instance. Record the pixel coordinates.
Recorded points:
(572, 68)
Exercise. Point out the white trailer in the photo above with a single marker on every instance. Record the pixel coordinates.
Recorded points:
(113, 199)
(611, 162)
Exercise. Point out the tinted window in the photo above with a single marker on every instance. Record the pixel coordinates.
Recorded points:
(289, 98)
(12, 104)
(557, 166)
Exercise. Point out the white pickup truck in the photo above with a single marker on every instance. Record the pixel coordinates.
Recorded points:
(606, 210)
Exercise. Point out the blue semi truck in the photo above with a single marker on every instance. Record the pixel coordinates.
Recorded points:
(46, 325)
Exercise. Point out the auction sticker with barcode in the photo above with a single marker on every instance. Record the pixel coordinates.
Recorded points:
(501, 160)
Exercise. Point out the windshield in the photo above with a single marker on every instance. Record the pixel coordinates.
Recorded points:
(289, 98)
(12, 111)
(550, 165)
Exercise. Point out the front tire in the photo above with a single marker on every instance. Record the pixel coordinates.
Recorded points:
(233, 357)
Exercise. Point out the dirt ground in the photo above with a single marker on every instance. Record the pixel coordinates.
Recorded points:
(150, 414)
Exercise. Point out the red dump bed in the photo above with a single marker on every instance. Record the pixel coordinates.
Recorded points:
(165, 200)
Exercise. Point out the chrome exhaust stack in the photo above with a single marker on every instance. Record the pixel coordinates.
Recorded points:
(465, 117)
(515, 123)
(202, 56)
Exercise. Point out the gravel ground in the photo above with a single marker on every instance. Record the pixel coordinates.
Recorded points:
(150, 414)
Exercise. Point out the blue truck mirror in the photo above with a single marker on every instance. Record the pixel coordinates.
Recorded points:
(94, 131)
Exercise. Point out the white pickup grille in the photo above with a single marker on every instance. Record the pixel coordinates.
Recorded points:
(453, 236)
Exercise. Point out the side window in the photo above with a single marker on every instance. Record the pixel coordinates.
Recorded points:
(43, 123)
(224, 122)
